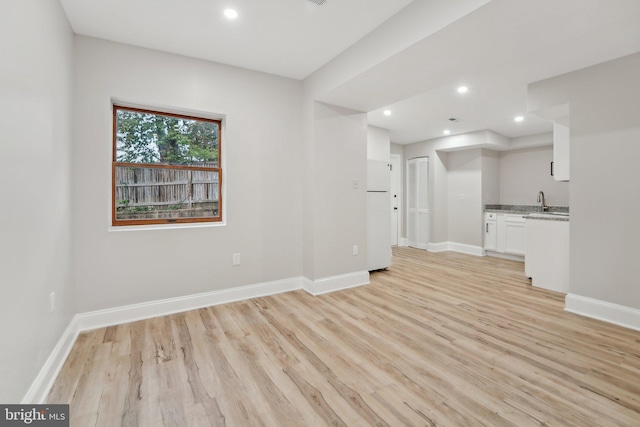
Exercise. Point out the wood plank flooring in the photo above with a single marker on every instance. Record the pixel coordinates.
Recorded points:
(441, 339)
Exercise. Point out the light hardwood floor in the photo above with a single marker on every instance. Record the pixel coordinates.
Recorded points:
(441, 339)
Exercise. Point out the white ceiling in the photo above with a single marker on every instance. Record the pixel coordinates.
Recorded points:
(290, 38)
(496, 49)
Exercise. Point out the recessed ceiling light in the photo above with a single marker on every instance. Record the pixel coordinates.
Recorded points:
(518, 118)
(446, 132)
(463, 89)
(230, 13)
(387, 112)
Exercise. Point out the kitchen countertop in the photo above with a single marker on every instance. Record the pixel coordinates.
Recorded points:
(547, 217)
(526, 210)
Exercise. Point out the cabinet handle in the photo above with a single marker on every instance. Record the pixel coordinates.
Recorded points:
(486, 228)
(551, 168)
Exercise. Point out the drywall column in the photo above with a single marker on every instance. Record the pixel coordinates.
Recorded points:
(36, 42)
(605, 148)
(490, 165)
(465, 197)
(338, 195)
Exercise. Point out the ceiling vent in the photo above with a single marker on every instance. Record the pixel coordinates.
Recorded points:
(319, 2)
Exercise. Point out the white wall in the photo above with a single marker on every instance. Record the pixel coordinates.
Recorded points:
(378, 144)
(523, 173)
(263, 156)
(465, 197)
(438, 150)
(490, 165)
(340, 157)
(35, 187)
(397, 149)
(605, 201)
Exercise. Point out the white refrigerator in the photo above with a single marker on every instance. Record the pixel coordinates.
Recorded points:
(378, 215)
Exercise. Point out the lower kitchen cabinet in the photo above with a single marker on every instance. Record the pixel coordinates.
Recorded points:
(490, 232)
(512, 227)
(505, 233)
(547, 255)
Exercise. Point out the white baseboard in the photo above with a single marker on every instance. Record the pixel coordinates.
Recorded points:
(423, 246)
(505, 256)
(466, 249)
(147, 310)
(40, 387)
(403, 242)
(456, 247)
(438, 247)
(335, 283)
(602, 310)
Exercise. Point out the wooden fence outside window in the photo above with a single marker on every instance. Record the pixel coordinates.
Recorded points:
(147, 192)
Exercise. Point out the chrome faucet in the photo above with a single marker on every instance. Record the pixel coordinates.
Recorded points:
(543, 204)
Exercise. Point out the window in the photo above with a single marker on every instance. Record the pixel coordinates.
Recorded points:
(166, 168)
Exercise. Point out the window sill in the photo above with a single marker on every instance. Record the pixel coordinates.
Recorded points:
(120, 228)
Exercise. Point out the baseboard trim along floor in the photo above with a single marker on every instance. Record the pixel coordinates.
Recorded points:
(130, 313)
(336, 283)
(603, 310)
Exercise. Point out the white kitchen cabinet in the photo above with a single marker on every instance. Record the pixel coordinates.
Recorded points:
(560, 166)
(505, 233)
(547, 254)
(515, 235)
(490, 231)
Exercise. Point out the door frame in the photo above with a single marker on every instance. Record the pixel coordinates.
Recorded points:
(397, 172)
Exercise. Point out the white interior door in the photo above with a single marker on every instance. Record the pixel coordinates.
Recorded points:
(418, 202)
(396, 197)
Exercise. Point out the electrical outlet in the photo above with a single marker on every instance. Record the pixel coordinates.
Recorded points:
(356, 183)
(52, 302)
(461, 196)
(355, 249)
(236, 259)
